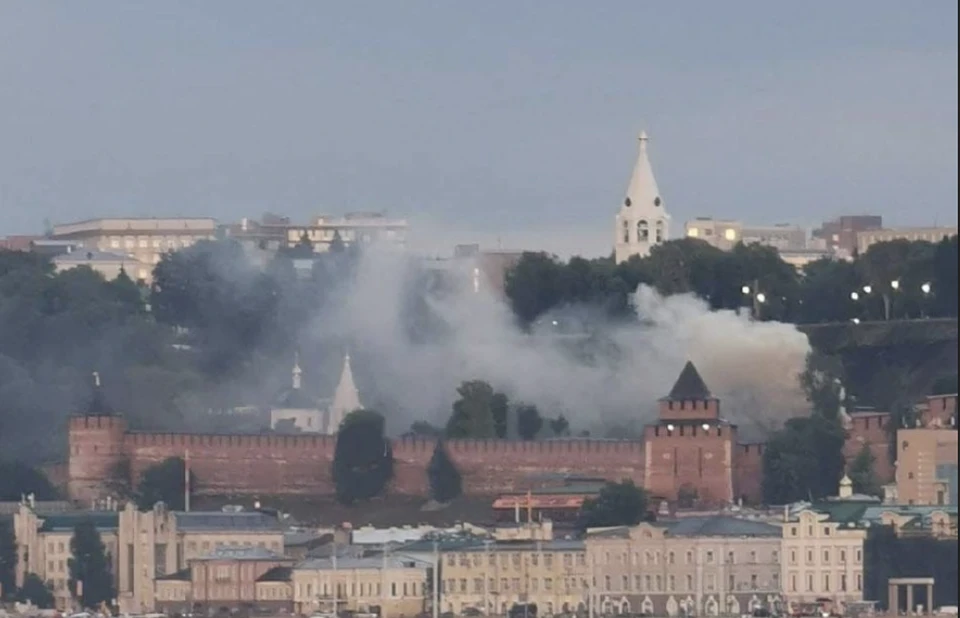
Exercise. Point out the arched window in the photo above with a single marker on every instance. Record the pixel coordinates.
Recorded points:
(643, 230)
(660, 230)
(626, 231)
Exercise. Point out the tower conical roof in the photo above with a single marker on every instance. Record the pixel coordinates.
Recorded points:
(689, 386)
(295, 398)
(642, 192)
(346, 398)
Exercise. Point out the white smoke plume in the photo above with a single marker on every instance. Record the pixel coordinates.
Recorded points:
(611, 376)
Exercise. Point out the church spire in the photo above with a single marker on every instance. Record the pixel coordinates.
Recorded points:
(297, 372)
(97, 405)
(642, 221)
(346, 398)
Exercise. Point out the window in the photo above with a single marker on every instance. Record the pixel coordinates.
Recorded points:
(809, 582)
(731, 559)
(753, 557)
(826, 582)
(606, 583)
(659, 236)
(689, 557)
(625, 583)
(709, 557)
(451, 560)
(809, 556)
(731, 582)
(567, 560)
(463, 586)
(843, 582)
(548, 561)
(547, 583)
(672, 583)
(843, 556)
(626, 232)
(859, 556)
(534, 559)
(753, 581)
(671, 558)
(689, 582)
(859, 582)
(826, 556)
(793, 531)
(793, 583)
(643, 231)
(826, 531)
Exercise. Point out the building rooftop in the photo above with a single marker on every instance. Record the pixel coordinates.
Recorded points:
(720, 525)
(63, 522)
(214, 521)
(689, 386)
(241, 553)
(277, 574)
(83, 257)
(392, 561)
(182, 575)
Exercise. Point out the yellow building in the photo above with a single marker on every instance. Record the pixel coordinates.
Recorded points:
(822, 558)
(926, 466)
(397, 585)
(142, 545)
(143, 239)
(704, 565)
(521, 564)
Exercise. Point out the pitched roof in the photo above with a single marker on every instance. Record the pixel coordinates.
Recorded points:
(241, 553)
(277, 574)
(689, 386)
(60, 522)
(720, 526)
(214, 521)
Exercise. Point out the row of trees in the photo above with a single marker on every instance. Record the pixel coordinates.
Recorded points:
(891, 280)
(90, 580)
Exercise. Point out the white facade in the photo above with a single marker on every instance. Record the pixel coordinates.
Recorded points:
(308, 415)
(642, 222)
(821, 559)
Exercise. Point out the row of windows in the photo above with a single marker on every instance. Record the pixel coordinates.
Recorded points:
(827, 582)
(346, 591)
(643, 231)
(156, 242)
(826, 556)
(689, 557)
(626, 583)
(514, 559)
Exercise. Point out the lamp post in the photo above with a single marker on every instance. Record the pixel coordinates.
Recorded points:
(926, 288)
(757, 299)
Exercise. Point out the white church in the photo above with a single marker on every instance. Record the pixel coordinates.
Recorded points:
(642, 222)
(295, 410)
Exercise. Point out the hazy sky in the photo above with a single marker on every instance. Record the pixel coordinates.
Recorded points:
(512, 119)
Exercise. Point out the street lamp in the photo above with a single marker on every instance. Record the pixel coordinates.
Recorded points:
(761, 297)
(926, 288)
(867, 289)
(745, 289)
(895, 284)
(854, 296)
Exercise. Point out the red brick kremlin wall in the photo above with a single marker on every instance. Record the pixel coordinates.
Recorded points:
(100, 446)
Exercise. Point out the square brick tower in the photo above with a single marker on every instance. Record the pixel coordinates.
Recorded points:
(689, 450)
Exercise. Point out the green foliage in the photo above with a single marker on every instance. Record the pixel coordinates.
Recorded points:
(945, 385)
(363, 459)
(618, 504)
(821, 293)
(863, 474)
(165, 482)
(35, 591)
(17, 479)
(90, 565)
(560, 427)
(445, 481)
(8, 560)
(529, 421)
(804, 460)
(479, 413)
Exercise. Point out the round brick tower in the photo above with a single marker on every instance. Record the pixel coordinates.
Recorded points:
(95, 439)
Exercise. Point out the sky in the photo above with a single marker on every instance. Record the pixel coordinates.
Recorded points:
(512, 123)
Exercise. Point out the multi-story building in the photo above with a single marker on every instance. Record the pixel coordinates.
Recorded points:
(725, 235)
(822, 557)
(141, 545)
(232, 577)
(396, 585)
(522, 564)
(145, 240)
(926, 472)
(708, 565)
(642, 222)
(110, 265)
(17, 242)
(867, 238)
(840, 235)
(357, 227)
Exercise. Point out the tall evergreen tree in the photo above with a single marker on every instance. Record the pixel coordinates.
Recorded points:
(445, 481)
(8, 560)
(35, 592)
(863, 474)
(91, 581)
(362, 459)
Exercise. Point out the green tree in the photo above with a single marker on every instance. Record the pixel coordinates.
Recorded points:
(165, 482)
(825, 290)
(863, 475)
(474, 412)
(337, 245)
(500, 410)
(804, 460)
(529, 421)
(560, 427)
(945, 278)
(945, 385)
(8, 560)
(617, 504)
(534, 285)
(127, 293)
(90, 565)
(17, 479)
(445, 481)
(363, 459)
(35, 591)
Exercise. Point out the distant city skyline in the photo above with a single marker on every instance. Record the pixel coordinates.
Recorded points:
(478, 122)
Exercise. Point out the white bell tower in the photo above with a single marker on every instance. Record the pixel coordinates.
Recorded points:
(643, 221)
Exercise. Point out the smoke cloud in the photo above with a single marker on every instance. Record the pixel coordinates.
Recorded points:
(605, 378)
